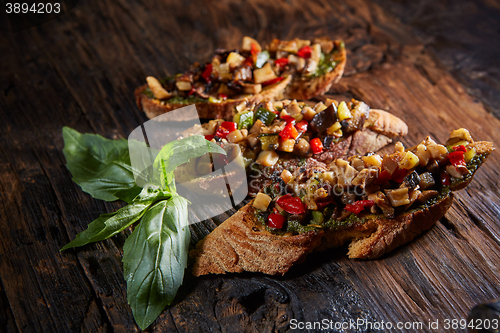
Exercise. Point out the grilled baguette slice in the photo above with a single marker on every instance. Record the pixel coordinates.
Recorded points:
(299, 75)
(208, 110)
(243, 243)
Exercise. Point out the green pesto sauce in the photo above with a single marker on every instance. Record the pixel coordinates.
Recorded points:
(325, 65)
(473, 165)
(351, 220)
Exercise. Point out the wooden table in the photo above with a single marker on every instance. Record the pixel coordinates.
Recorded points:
(432, 63)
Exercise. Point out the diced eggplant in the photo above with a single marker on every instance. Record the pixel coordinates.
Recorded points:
(323, 120)
(426, 181)
(426, 195)
(411, 180)
(360, 113)
(398, 197)
(383, 203)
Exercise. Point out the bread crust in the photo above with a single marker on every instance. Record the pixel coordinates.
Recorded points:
(224, 110)
(241, 244)
(386, 123)
(304, 89)
(392, 233)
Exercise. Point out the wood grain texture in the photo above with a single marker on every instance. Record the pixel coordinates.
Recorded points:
(434, 65)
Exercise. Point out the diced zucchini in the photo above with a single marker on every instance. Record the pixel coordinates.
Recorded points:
(269, 142)
(265, 116)
(244, 119)
(262, 58)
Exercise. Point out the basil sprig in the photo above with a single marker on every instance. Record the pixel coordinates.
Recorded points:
(155, 254)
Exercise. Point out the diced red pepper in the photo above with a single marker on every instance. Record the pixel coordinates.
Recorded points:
(445, 178)
(276, 221)
(460, 148)
(281, 62)
(225, 128)
(289, 119)
(291, 205)
(289, 132)
(273, 81)
(207, 72)
(223, 96)
(209, 137)
(302, 126)
(383, 177)
(305, 52)
(254, 50)
(191, 91)
(316, 146)
(457, 158)
(399, 175)
(358, 206)
(229, 125)
(221, 132)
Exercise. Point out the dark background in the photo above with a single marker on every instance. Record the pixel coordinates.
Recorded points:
(434, 63)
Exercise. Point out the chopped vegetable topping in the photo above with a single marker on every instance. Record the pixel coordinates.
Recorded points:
(457, 158)
(290, 204)
(305, 52)
(207, 72)
(316, 146)
(358, 206)
(302, 126)
(289, 132)
(281, 62)
(276, 221)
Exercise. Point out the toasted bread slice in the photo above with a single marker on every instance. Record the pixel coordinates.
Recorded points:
(251, 75)
(208, 110)
(246, 243)
(241, 243)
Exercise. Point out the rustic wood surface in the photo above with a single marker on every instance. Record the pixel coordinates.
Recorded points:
(433, 63)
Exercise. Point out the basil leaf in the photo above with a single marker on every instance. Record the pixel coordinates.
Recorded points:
(108, 225)
(179, 152)
(154, 259)
(128, 195)
(152, 192)
(100, 166)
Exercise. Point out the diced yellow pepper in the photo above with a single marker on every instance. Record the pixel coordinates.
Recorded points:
(409, 161)
(334, 128)
(469, 154)
(343, 112)
(372, 160)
